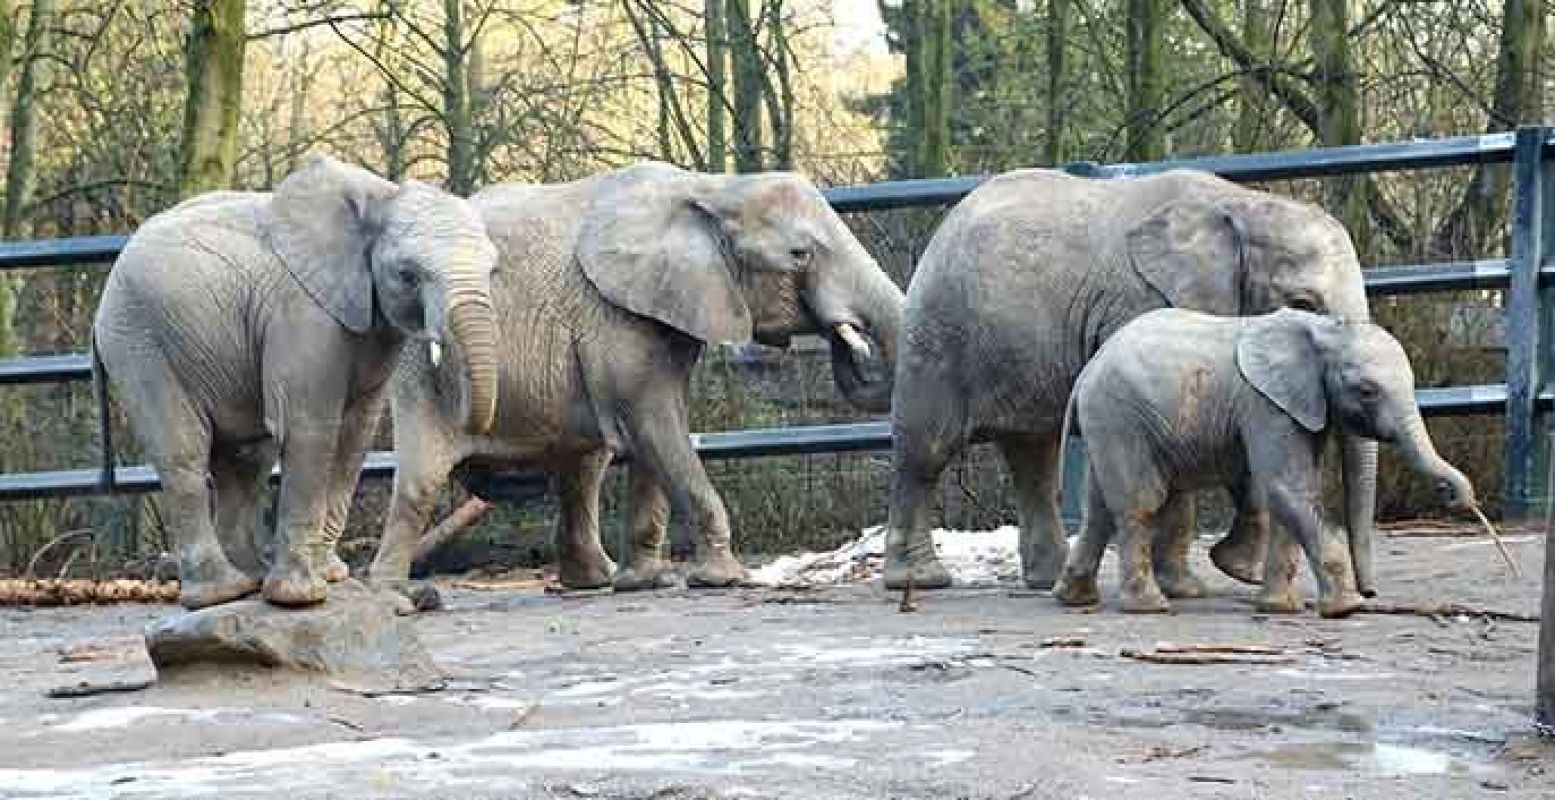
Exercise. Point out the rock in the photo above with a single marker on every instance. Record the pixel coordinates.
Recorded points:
(357, 638)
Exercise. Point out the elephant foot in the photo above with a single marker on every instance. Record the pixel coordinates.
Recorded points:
(646, 575)
(295, 581)
(1180, 583)
(717, 570)
(1041, 574)
(1339, 605)
(1238, 558)
(1144, 597)
(592, 573)
(335, 570)
(1077, 590)
(1278, 602)
(909, 557)
(212, 582)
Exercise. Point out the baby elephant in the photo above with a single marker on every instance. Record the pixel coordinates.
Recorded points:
(1178, 401)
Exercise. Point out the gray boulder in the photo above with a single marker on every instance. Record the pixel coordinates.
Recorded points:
(357, 638)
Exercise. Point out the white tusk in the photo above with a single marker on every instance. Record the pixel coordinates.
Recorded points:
(436, 351)
(853, 339)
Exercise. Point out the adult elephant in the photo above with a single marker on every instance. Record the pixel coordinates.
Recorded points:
(1022, 283)
(606, 293)
(241, 327)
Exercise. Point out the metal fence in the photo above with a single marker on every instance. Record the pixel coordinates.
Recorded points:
(1524, 275)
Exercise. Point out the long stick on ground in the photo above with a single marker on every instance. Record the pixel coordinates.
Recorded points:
(1500, 545)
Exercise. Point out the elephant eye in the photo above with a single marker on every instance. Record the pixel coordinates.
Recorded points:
(1303, 304)
(409, 277)
(800, 255)
(1368, 392)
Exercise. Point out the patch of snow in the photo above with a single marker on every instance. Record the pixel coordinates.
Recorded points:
(974, 558)
(124, 716)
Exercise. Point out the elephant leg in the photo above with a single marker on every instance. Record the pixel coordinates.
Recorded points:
(1140, 592)
(418, 479)
(1241, 553)
(1077, 585)
(296, 577)
(239, 478)
(1179, 524)
(1281, 560)
(1297, 512)
(648, 514)
(1034, 471)
(584, 564)
(661, 441)
(356, 435)
(928, 430)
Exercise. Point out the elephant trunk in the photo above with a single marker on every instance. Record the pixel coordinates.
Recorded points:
(473, 327)
(1359, 467)
(881, 314)
(1421, 454)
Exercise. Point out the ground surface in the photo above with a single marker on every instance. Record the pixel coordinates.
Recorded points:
(822, 693)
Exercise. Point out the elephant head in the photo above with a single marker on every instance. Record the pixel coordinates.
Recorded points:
(735, 258)
(370, 252)
(1240, 252)
(1352, 374)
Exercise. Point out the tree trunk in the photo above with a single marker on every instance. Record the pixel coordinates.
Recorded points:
(1338, 108)
(927, 36)
(747, 87)
(1146, 138)
(1057, 22)
(456, 102)
(214, 105)
(1476, 220)
(717, 64)
(780, 99)
(391, 133)
(24, 123)
(1253, 106)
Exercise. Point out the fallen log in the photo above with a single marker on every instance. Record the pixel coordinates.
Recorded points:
(52, 592)
(1158, 657)
(462, 517)
(1444, 610)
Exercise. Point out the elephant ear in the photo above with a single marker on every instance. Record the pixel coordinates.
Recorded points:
(653, 245)
(322, 227)
(1277, 355)
(1190, 252)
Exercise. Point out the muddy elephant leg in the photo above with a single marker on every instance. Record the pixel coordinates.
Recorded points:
(1179, 525)
(296, 577)
(1241, 554)
(356, 435)
(1036, 475)
(1297, 512)
(1139, 591)
(642, 549)
(1281, 561)
(1077, 585)
(584, 564)
(661, 440)
(418, 479)
(238, 475)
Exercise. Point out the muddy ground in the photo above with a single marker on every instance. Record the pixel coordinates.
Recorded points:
(828, 692)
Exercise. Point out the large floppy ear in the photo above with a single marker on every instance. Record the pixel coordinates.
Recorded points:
(322, 225)
(1277, 355)
(653, 245)
(1190, 252)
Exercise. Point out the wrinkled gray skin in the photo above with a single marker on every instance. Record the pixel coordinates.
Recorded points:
(244, 328)
(1179, 400)
(606, 293)
(1028, 276)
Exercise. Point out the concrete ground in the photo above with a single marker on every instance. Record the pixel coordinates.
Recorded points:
(827, 692)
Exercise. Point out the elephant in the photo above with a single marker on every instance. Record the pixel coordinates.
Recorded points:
(244, 328)
(607, 291)
(1179, 400)
(1024, 280)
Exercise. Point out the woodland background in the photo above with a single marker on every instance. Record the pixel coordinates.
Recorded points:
(114, 109)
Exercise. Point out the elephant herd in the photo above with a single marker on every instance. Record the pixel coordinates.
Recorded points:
(556, 326)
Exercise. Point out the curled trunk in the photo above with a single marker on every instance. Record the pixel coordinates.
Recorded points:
(1415, 442)
(867, 382)
(474, 331)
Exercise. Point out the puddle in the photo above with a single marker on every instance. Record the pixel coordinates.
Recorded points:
(1386, 759)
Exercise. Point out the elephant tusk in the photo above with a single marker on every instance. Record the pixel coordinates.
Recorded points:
(435, 350)
(853, 339)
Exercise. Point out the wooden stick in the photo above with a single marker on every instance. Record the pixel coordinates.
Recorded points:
(83, 592)
(84, 689)
(1243, 649)
(1205, 658)
(1447, 610)
(462, 517)
(1500, 545)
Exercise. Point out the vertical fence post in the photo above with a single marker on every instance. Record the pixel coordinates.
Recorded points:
(1526, 337)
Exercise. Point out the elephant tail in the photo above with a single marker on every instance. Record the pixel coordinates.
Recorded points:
(1063, 432)
(105, 478)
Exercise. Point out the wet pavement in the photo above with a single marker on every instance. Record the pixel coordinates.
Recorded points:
(825, 692)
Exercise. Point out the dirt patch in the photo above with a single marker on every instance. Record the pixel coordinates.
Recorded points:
(828, 691)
